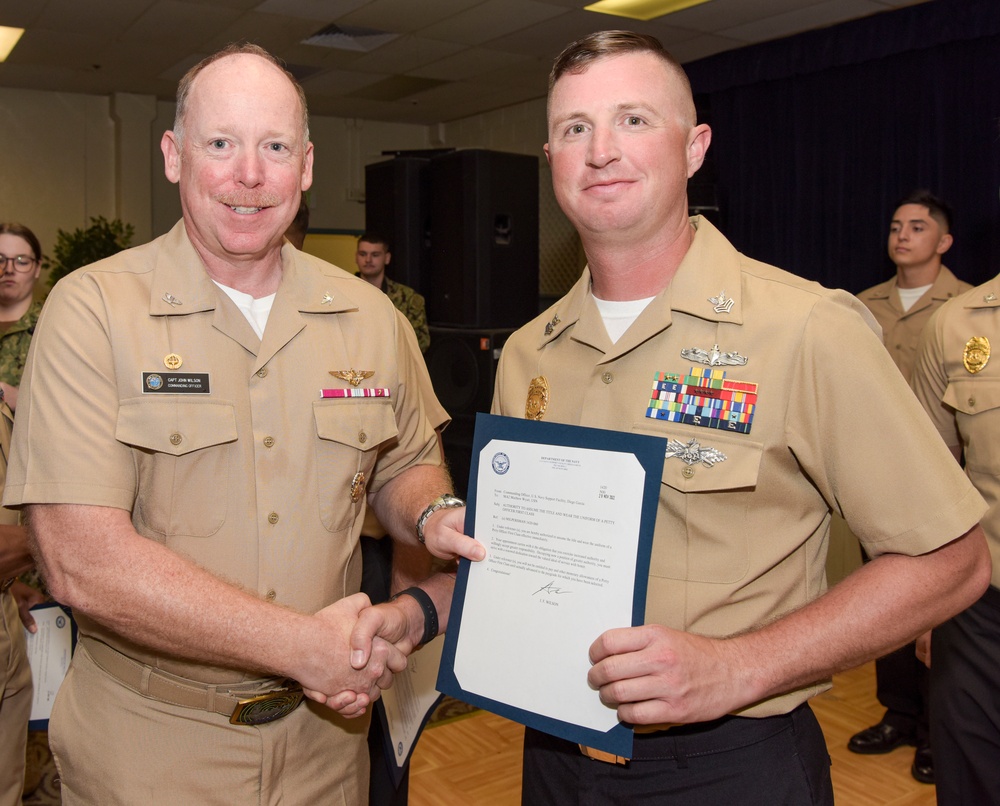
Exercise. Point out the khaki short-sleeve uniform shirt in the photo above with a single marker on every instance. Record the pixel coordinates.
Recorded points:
(901, 329)
(957, 379)
(824, 422)
(147, 390)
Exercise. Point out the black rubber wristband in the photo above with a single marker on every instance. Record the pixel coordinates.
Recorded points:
(430, 612)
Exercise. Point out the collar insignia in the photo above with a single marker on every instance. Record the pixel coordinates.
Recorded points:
(714, 357)
(352, 376)
(722, 303)
(551, 325)
(171, 299)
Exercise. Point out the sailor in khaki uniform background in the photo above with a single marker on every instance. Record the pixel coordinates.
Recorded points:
(15, 674)
(919, 235)
(230, 403)
(957, 379)
(771, 424)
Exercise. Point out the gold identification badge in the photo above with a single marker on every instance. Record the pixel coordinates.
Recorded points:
(538, 398)
(977, 354)
(357, 486)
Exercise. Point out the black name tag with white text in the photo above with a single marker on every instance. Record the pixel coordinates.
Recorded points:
(175, 383)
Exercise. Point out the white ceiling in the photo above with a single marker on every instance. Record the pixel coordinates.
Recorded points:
(449, 58)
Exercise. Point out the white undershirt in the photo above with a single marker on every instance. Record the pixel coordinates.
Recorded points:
(255, 310)
(908, 296)
(618, 316)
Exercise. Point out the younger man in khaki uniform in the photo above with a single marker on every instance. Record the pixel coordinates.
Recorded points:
(919, 235)
(957, 379)
(667, 317)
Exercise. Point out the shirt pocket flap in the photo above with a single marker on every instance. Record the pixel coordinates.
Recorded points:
(699, 464)
(176, 426)
(356, 422)
(973, 395)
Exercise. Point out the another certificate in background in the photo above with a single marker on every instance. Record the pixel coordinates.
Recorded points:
(49, 653)
(405, 708)
(566, 514)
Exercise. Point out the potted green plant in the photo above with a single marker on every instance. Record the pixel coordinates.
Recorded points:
(84, 246)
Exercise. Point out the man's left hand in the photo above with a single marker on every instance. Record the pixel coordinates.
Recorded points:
(654, 675)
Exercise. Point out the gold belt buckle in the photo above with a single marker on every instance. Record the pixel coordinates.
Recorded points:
(268, 707)
(603, 755)
(5, 585)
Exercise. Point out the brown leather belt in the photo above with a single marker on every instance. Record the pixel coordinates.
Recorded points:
(602, 755)
(253, 703)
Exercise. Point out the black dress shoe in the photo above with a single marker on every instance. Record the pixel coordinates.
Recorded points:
(878, 739)
(923, 764)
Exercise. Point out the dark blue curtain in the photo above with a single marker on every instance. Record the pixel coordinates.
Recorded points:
(816, 136)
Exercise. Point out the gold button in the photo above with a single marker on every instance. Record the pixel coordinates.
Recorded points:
(272, 518)
(688, 472)
(362, 437)
(270, 595)
(268, 442)
(607, 377)
(262, 372)
(176, 439)
(972, 401)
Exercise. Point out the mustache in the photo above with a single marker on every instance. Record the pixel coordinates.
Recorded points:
(247, 198)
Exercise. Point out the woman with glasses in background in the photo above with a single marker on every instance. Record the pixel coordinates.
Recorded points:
(22, 264)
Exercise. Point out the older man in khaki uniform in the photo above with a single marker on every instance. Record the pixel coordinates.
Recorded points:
(771, 425)
(919, 235)
(230, 403)
(957, 379)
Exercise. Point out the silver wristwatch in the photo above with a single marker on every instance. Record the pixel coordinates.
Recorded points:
(446, 501)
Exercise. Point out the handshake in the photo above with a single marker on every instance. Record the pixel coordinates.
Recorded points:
(375, 641)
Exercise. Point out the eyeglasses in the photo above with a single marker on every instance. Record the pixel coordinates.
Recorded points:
(20, 263)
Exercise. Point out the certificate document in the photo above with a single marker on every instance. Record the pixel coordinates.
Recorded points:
(566, 514)
(49, 653)
(406, 707)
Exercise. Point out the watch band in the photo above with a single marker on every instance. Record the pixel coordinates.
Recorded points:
(430, 612)
(446, 501)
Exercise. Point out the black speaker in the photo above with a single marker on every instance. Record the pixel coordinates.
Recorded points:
(462, 363)
(484, 239)
(396, 207)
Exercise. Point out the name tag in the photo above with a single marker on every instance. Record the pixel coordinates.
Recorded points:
(175, 383)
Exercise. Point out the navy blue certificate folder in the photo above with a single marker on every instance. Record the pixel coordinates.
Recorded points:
(648, 452)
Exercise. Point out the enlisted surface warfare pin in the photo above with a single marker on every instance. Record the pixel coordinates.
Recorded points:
(693, 453)
(977, 354)
(714, 357)
(538, 398)
(172, 361)
(352, 376)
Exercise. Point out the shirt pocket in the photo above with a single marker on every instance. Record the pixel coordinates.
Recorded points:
(706, 512)
(183, 457)
(977, 411)
(350, 433)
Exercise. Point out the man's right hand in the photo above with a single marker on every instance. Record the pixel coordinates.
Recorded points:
(333, 680)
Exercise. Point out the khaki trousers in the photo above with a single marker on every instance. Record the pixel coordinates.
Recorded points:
(15, 701)
(115, 747)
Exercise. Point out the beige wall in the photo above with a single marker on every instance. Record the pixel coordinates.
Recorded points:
(69, 157)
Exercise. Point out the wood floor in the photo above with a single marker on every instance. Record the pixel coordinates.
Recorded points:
(475, 760)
